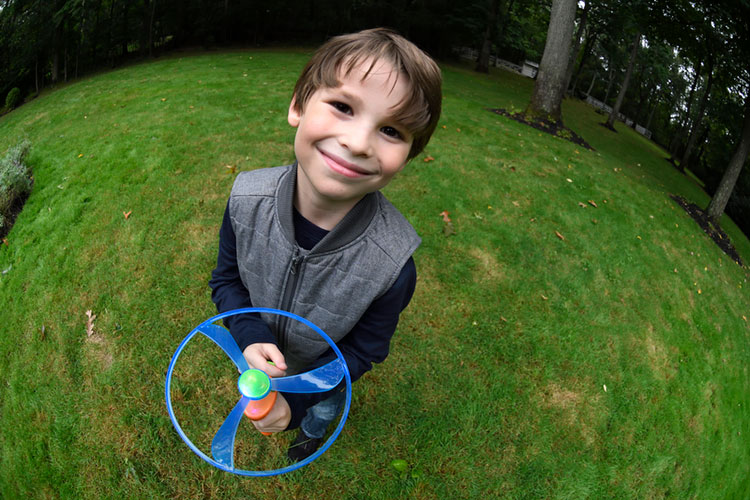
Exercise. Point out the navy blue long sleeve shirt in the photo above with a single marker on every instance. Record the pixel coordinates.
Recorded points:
(368, 342)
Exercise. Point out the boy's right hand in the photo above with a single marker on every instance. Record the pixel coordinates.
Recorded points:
(258, 356)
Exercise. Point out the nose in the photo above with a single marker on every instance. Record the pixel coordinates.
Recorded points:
(356, 138)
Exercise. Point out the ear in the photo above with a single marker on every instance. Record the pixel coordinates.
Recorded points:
(294, 116)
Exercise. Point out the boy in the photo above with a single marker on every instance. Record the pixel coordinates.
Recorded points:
(317, 238)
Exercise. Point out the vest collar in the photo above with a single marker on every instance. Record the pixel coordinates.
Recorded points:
(347, 230)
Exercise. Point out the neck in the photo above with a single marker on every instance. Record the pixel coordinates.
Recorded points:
(324, 213)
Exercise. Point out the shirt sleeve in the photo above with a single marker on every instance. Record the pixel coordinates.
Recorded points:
(367, 343)
(229, 293)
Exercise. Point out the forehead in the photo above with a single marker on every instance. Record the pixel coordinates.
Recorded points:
(375, 78)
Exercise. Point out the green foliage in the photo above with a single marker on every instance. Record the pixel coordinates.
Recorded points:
(13, 98)
(15, 179)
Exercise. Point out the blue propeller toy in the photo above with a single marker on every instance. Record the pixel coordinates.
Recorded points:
(258, 391)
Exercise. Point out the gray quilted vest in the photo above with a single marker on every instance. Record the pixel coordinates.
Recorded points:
(331, 285)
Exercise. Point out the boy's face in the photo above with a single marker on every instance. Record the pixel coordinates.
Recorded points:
(347, 143)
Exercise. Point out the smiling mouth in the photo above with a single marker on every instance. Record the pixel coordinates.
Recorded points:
(343, 167)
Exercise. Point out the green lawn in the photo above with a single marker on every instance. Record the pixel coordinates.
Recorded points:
(608, 364)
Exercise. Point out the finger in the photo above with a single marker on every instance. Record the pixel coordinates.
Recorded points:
(274, 355)
(258, 357)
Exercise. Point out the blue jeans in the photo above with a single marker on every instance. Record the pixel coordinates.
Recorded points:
(320, 416)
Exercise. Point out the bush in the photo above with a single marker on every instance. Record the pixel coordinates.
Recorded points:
(15, 180)
(13, 98)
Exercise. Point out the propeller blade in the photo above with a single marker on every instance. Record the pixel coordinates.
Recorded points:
(224, 339)
(320, 379)
(222, 447)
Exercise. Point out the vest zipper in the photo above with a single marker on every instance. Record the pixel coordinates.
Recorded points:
(289, 292)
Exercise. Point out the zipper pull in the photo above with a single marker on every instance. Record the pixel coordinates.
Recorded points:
(296, 261)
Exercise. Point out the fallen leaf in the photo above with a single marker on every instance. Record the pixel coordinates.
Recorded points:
(428, 159)
(444, 213)
(503, 319)
(232, 169)
(5, 242)
(515, 203)
(400, 465)
(459, 130)
(544, 297)
(593, 204)
(560, 235)
(80, 155)
(90, 323)
(581, 204)
(127, 214)
(163, 99)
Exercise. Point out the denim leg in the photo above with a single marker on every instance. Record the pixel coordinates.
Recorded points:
(320, 416)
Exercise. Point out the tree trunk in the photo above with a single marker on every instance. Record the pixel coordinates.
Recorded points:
(653, 110)
(483, 63)
(587, 47)
(729, 179)
(624, 88)
(576, 45)
(698, 119)
(504, 23)
(611, 73)
(684, 119)
(549, 88)
(588, 92)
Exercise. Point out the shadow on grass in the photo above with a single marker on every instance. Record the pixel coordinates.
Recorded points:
(553, 128)
(713, 231)
(10, 218)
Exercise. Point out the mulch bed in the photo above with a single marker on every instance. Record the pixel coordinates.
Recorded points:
(553, 128)
(713, 231)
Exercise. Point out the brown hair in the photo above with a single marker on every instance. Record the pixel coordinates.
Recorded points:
(418, 112)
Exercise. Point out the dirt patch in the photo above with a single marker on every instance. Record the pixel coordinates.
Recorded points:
(712, 230)
(578, 411)
(552, 128)
(488, 266)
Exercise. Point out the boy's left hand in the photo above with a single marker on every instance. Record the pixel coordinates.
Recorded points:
(277, 419)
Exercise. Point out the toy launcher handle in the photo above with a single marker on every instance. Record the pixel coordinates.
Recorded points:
(257, 409)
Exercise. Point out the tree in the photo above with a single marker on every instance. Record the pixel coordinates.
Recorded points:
(624, 87)
(733, 20)
(729, 179)
(577, 44)
(483, 63)
(549, 88)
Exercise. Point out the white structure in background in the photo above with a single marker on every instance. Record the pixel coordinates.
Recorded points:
(530, 69)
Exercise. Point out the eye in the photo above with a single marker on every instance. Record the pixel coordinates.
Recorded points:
(392, 132)
(341, 107)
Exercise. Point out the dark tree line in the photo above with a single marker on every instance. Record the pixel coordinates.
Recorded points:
(48, 41)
